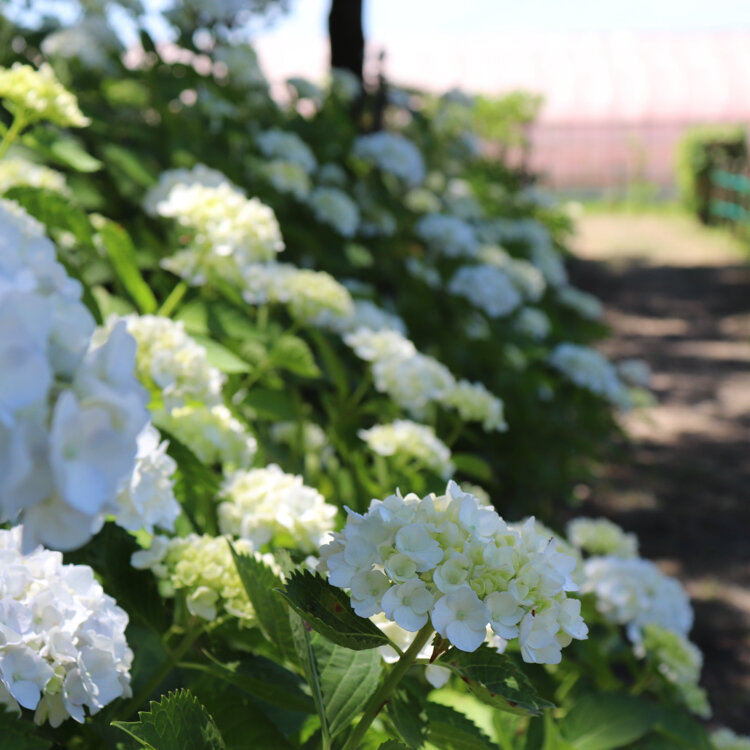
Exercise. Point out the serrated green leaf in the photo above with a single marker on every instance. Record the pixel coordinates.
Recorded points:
(221, 357)
(326, 609)
(348, 680)
(451, 730)
(17, 733)
(473, 466)
(177, 722)
(270, 611)
(293, 354)
(409, 719)
(603, 721)
(496, 679)
(121, 253)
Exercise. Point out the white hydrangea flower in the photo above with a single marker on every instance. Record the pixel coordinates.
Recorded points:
(589, 369)
(286, 177)
(16, 171)
(366, 314)
(412, 440)
(62, 642)
(585, 304)
(447, 559)
(600, 536)
(267, 506)
(633, 592)
(200, 174)
(393, 154)
(487, 288)
(283, 144)
(38, 95)
(476, 404)
(335, 208)
(447, 235)
(533, 323)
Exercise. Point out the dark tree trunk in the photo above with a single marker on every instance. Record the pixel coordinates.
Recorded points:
(346, 35)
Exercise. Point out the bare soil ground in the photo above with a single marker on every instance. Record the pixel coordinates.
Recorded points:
(678, 295)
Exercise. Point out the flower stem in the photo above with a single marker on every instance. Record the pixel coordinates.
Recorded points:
(18, 124)
(400, 668)
(173, 299)
(161, 673)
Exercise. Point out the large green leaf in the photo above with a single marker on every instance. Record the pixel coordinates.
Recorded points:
(272, 405)
(473, 466)
(496, 679)
(348, 680)
(270, 611)
(409, 719)
(681, 728)
(130, 164)
(17, 733)
(63, 149)
(121, 253)
(221, 357)
(451, 730)
(603, 721)
(293, 354)
(326, 609)
(177, 722)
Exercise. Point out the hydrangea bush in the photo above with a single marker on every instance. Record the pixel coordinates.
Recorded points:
(245, 344)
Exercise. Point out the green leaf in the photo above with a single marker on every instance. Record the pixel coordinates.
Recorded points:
(496, 679)
(121, 253)
(393, 745)
(348, 679)
(17, 733)
(681, 728)
(63, 149)
(271, 405)
(603, 721)
(293, 354)
(332, 363)
(270, 611)
(326, 609)
(221, 357)
(451, 730)
(177, 722)
(128, 163)
(473, 466)
(409, 719)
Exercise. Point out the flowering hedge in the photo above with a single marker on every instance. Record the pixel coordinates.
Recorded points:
(227, 325)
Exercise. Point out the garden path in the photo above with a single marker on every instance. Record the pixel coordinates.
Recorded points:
(678, 295)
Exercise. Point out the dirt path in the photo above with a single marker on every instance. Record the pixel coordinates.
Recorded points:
(678, 295)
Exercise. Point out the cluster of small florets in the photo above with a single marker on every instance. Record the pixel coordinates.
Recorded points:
(15, 171)
(71, 408)
(679, 662)
(200, 174)
(268, 506)
(63, 646)
(526, 277)
(286, 177)
(366, 314)
(532, 322)
(600, 536)
(203, 570)
(447, 235)
(475, 403)
(288, 146)
(635, 593)
(589, 369)
(726, 739)
(487, 287)
(392, 153)
(412, 441)
(586, 305)
(335, 208)
(37, 95)
(455, 563)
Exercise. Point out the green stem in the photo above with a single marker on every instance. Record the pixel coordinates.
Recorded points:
(400, 668)
(173, 299)
(18, 124)
(161, 673)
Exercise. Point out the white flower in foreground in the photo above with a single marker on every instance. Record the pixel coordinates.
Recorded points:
(447, 235)
(633, 592)
(283, 144)
(487, 288)
(62, 639)
(200, 174)
(268, 506)
(15, 171)
(600, 536)
(392, 153)
(413, 441)
(458, 565)
(335, 208)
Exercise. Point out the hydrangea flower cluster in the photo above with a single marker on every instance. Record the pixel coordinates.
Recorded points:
(63, 646)
(200, 174)
(455, 563)
(335, 208)
(679, 662)
(487, 287)
(586, 305)
(286, 177)
(600, 536)
(288, 146)
(411, 440)
(392, 153)
(201, 568)
(726, 739)
(635, 593)
(71, 408)
(366, 314)
(525, 277)
(15, 171)
(589, 369)
(533, 323)
(268, 506)
(37, 95)
(447, 235)
(476, 404)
